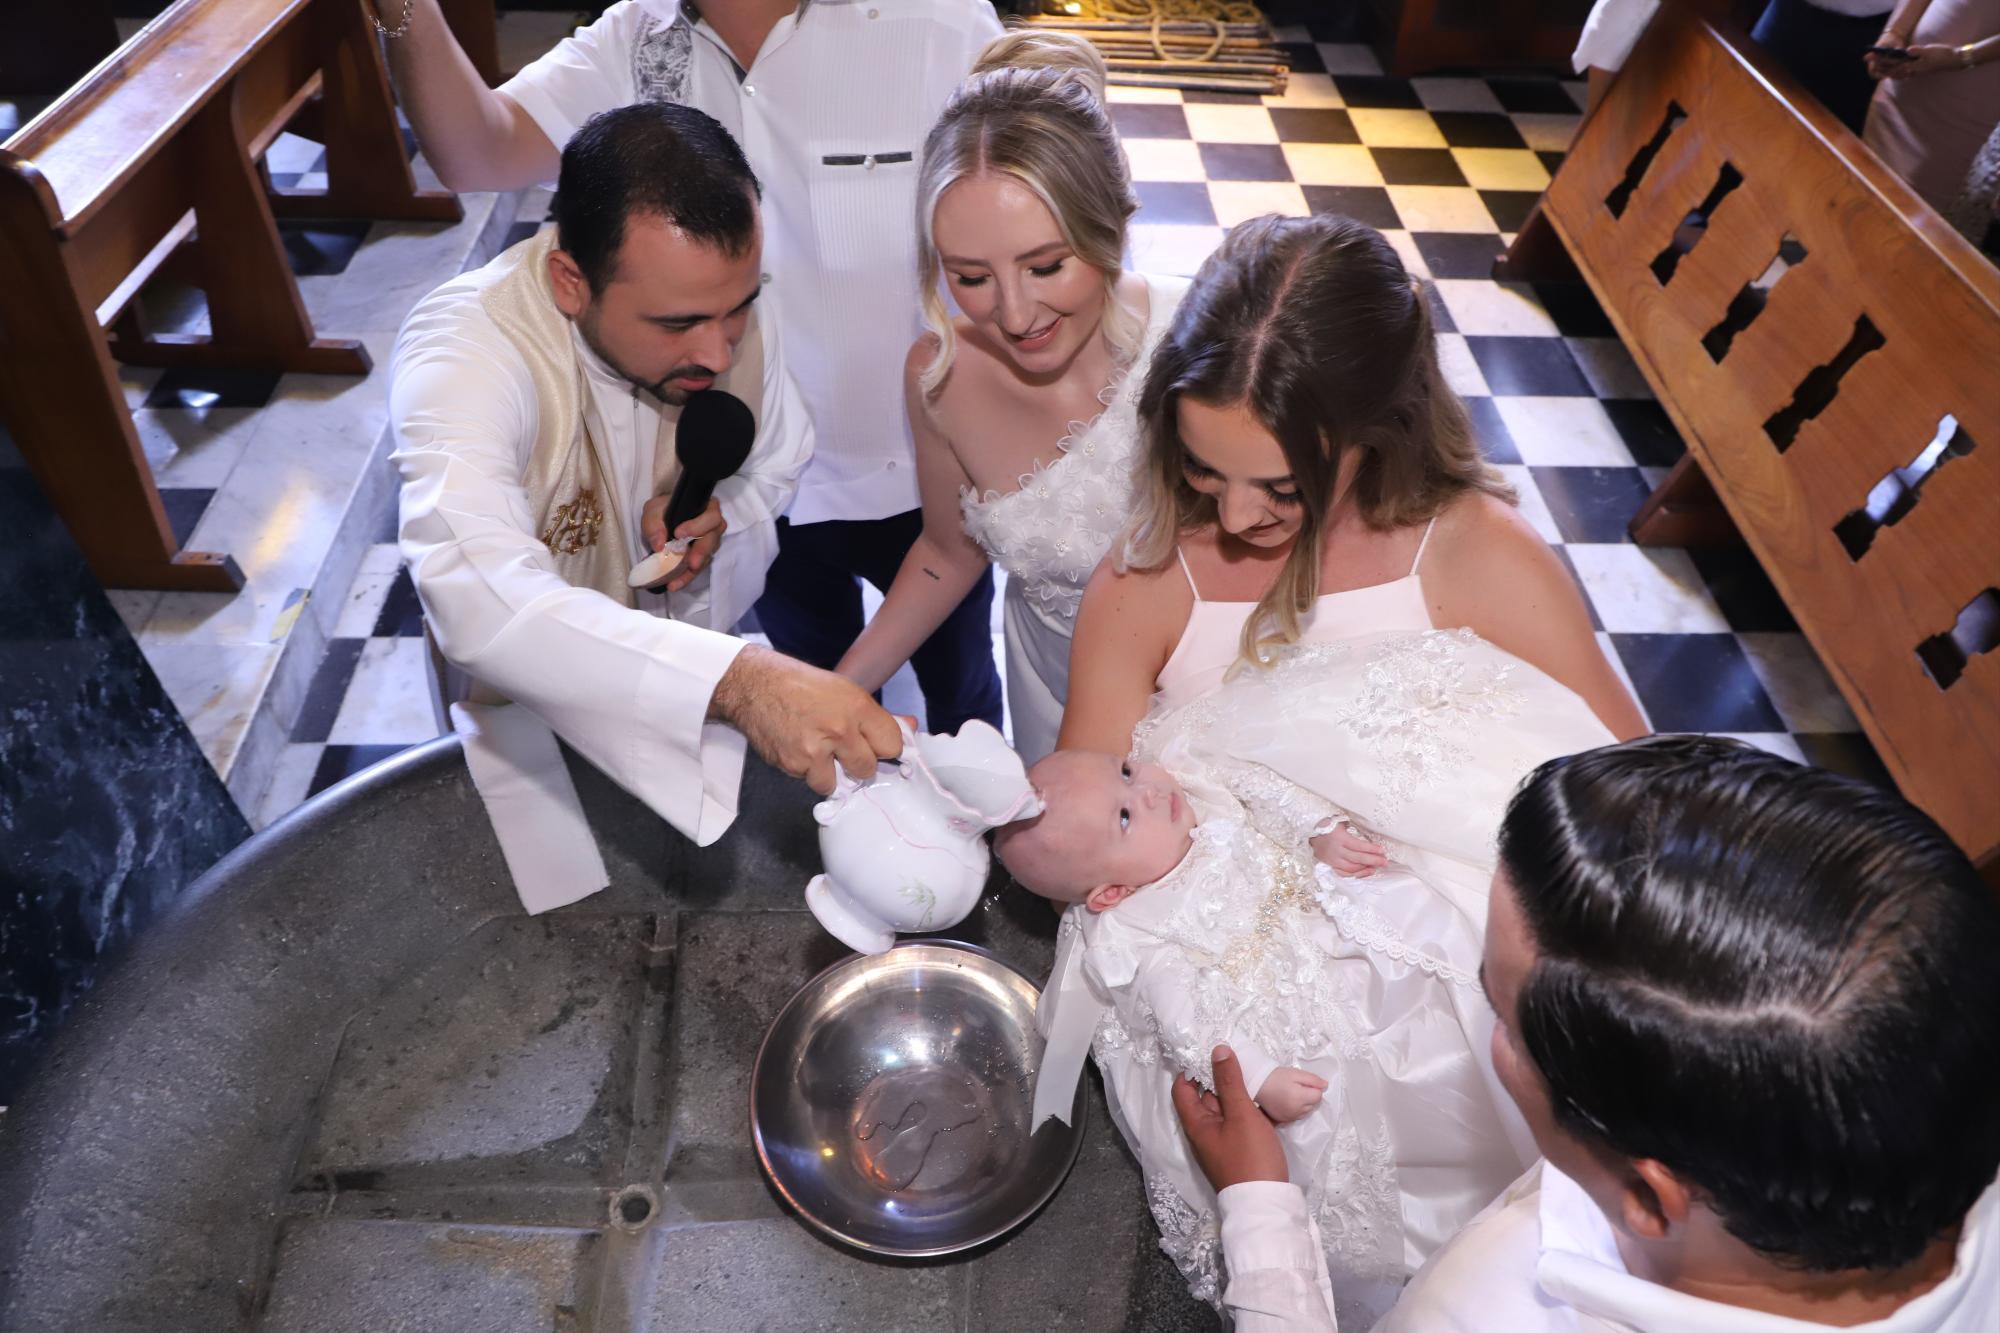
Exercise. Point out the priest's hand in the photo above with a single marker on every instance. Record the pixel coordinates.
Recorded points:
(703, 532)
(1232, 1140)
(802, 719)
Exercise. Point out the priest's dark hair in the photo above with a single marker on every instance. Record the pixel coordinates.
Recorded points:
(653, 159)
(1781, 984)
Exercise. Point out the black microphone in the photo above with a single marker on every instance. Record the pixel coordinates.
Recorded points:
(711, 439)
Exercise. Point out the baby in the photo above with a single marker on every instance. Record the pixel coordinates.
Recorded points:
(1112, 827)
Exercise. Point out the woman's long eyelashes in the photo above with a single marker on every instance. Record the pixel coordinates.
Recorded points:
(1282, 497)
(964, 280)
(1048, 271)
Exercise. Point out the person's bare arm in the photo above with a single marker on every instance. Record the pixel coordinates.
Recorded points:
(1492, 572)
(942, 565)
(474, 137)
(1125, 631)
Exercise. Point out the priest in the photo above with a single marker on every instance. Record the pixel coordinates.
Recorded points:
(535, 404)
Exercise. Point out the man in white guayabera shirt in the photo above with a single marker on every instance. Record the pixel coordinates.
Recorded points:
(831, 100)
(536, 404)
(1751, 1012)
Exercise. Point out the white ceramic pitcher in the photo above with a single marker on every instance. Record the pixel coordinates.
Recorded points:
(905, 850)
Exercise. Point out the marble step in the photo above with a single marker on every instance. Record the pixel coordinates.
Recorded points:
(301, 486)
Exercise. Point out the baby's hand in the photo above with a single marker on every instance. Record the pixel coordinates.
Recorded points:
(1346, 852)
(1290, 1093)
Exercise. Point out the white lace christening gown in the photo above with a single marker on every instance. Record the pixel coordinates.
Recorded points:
(1051, 532)
(1419, 737)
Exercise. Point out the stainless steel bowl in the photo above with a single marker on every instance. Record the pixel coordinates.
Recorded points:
(891, 1098)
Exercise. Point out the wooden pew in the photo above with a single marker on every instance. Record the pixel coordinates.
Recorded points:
(154, 158)
(1809, 323)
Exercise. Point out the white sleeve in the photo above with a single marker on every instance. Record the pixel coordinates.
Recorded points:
(585, 73)
(1277, 1269)
(627, 690)
(1610, 32)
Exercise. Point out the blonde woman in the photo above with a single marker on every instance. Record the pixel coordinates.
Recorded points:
(1024, 406)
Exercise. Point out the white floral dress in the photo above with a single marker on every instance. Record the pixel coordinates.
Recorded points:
(1419, 736)
(1052, 530)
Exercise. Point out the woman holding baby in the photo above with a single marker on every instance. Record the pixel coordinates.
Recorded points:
(1327, 606)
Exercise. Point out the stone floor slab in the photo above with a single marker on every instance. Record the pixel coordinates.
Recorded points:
(772, 1277)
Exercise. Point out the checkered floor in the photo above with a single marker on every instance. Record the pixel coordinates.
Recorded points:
(1447, 168)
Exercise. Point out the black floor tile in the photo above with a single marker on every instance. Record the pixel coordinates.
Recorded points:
(1375, 90)
(1538, 367)
(185, 505)
(1184, 202)
(1544, 96)
(1647, 430)
(1495, 441)
(1574, 309)
(1696, 682)
(1244, 162)
(1592, 504)
(1459, 254)
(1846, 752)
(1304, 57)
(402, 615)
(1313, 124)
(315, 249)
(1368, 204)
(202, 389)
(1147, 120)
(1550, 159)
(1478, 129)
(338, 762)
(1510, 208)
(1743, 590)
(328, 690)
(1417, 166)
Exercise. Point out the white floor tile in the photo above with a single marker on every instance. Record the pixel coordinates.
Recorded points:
(1533, 507)
(1563, 432)
(1442, 208)
(1779, 743)
(383, 557)
(1213, 122)
(1236, 201)
(1646, 591)
(1145, 96)
(134, 606)
(1382, 127)
(196, 448)
(1164, 160)
(1460, 370)
(388, 702)
(291, 779)
(1456, 95)
(1804, 695)
(1332, 164)
(1482, 307)
(216, 687)
(363, 604)
(1307, 90)
(1501, 168)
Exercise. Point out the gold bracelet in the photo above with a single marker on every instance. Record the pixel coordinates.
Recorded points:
(409, 9)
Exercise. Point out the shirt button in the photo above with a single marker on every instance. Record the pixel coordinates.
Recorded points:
(764, 277)
(892, 465)
(874, 13)
(749, 90)
(868, 162)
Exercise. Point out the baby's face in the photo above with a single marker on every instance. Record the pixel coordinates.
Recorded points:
(1107, 822)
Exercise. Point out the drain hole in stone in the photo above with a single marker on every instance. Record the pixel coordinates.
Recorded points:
(632, 1208)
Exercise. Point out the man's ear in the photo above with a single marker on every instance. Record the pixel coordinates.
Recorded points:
(1106, 895)
(1653, 1200)
(572, 289)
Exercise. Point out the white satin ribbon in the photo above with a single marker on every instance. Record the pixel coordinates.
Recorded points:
(1068, 1017)
(518, 770)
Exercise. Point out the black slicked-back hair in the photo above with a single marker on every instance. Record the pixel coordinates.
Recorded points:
(651, 159)
(1780, 983)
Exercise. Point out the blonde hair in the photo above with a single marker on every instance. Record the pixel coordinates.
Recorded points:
(1316, 327)
(1032, 110)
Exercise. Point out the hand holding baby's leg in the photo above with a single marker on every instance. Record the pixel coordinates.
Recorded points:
(1346, 852)
(1290, 1093)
